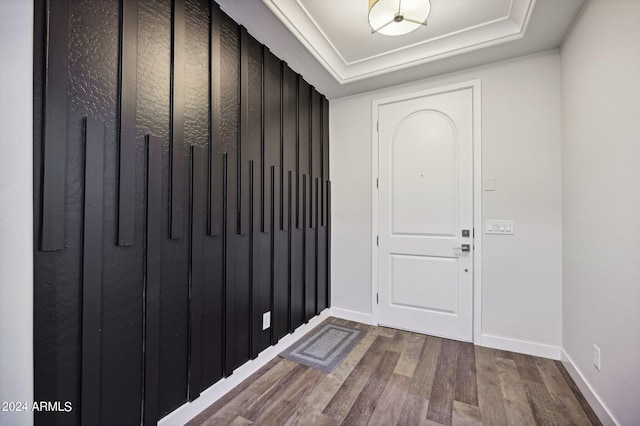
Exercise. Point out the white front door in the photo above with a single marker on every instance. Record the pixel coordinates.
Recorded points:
(426, 214)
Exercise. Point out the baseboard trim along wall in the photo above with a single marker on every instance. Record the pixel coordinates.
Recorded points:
(590, 395)
(495, 342)
(520, 346)
(186, 412)
(352, 316)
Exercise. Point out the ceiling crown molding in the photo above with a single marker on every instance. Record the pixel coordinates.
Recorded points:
(347, 67)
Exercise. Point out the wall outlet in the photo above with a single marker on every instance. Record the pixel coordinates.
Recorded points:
(596, 357)
(266, 320)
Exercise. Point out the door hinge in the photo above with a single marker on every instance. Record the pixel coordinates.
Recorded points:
(378, 183)
(377, 299)
(377, 240)
(473, 232)
(378, 125)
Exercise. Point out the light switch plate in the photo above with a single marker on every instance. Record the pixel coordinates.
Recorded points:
(499, 227)
(266, 320)
(489, 184)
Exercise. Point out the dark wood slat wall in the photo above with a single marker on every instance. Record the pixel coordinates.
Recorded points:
(328, 253)
(214, 247)
(305, 160)
(275, 195)
(237, 286)
(325, 158)
(213, 296)
(291, 126)
(152, 282)
(177, 115)
(321, 260)
(322, 236)
(272, 148)
(304, 141)
(254, 151)
(92, 267)
(55, 125)
(315, 160)
(215, 169)
(282, 249)
(196, 282)
(248, 134)
(315, 152)
(179, 294)
(127, 86)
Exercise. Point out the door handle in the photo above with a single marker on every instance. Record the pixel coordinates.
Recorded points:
(463, 247)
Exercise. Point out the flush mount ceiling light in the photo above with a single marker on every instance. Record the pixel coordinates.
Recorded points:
(397, 17)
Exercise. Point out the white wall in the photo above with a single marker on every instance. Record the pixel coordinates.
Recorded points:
(521, 282)
(601, 201)
(16, 191)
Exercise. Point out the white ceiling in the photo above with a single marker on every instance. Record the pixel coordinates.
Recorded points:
(330, 43)
(337, 33)
(349, 34)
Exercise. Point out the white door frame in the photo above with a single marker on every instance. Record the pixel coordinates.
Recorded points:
(475, 86)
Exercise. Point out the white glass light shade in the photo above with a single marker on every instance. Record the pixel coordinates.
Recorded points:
(397, 17)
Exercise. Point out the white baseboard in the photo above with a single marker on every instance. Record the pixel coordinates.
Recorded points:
(352, 316)
(520, 346)
(186, 412)
(589, 394)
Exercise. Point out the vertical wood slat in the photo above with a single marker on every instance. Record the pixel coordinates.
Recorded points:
(317, 254)
(55, 126)
(289, 258)
(265, 212)
(309, 258)
(278, 262)
(325, 159)
(303, 147)
(198, 172)
(215, 174)
(250, 207)
(316, 204)
(225, 190)
(283, 171)
(272, 133)
(236, 345)
(127, 92)
(297, 139)
(243, 197)
(315, 152)
(91, 381)
(296, 265)
(272, 229)
(153, 255)
(289, 125)
(252, 254)
(312, 158)
(321, 260)
(177, 115)
(303, 225)
(328, 244)
(296, 235)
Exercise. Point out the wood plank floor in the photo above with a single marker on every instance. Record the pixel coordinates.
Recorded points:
(396, 377)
